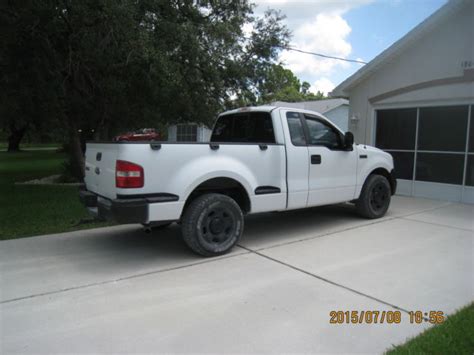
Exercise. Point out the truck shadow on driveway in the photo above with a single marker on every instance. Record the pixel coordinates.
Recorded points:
(109, 254)
(261, 231)
(270, 229)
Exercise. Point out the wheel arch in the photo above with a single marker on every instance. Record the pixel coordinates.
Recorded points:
(224, 185)
(385, 173)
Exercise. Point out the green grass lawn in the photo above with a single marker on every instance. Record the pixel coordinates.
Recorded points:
(4, 145)
(454, 336)
(32, 210)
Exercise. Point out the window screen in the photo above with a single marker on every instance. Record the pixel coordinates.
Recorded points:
(249, 127)
(471, 132)
(443, 128)
(403, 164)
(444, 168)
(395, 129)
(470, 170)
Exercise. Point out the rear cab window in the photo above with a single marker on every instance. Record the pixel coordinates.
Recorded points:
(245, 127)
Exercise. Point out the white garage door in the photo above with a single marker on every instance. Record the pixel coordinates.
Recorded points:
(433, 150)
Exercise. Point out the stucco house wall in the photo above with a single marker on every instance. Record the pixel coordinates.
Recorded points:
(436, 54)
(415, 87)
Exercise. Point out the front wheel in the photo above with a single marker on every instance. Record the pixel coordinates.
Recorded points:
(212, 224)
(374, 198)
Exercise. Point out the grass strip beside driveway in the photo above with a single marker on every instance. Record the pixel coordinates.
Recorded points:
(454, 336)
(37, 209)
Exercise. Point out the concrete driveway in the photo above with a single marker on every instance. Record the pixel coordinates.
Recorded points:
(118, 289)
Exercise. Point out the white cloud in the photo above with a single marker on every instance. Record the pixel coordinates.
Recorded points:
(326, 34)
(247, 29)
(317, 26)
(309, 7)
(298, 11)
(324, 85)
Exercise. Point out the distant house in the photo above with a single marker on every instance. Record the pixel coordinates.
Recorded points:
(189, 132)
(337, 110)
(416, 101)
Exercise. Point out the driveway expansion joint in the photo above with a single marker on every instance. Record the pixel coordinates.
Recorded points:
(326, 280)
(437, 224)
(248, 250)
(377, 221)
(125, 278)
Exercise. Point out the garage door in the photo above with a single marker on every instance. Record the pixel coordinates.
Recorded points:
(433, 150)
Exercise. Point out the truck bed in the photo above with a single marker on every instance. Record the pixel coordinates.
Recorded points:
(178, 168)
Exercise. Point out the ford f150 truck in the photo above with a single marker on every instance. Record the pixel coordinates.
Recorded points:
(259, 159)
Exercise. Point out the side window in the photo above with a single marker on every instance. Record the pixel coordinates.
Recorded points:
(321, 133)
(296, 128)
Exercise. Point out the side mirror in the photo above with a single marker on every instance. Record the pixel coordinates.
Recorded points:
(348, 141)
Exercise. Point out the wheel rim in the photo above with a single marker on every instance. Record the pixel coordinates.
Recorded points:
(218, 226)
(379, 197)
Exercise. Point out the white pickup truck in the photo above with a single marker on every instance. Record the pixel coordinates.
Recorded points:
(259, 159)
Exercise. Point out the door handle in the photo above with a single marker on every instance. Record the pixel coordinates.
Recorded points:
(263, 146)
(316, 159)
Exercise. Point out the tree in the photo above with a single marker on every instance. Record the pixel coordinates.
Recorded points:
(27, 98)
(276, 83)
(113, 64)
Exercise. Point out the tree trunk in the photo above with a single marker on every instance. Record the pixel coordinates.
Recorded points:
(15, 137)
(77, 155)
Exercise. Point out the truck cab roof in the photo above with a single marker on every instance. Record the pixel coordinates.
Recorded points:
(267, 108)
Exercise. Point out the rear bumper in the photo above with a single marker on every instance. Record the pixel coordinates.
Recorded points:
(118, 210)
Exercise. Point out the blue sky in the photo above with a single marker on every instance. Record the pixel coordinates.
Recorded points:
(356, 29)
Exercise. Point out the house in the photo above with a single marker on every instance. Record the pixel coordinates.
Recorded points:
(189, 132)
(416, 101)
(337, 110)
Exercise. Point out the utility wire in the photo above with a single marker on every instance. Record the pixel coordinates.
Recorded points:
(323, 55)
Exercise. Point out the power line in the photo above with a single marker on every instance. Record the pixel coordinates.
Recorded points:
(323, 55)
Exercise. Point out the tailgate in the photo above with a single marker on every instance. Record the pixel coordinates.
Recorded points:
(100, 168)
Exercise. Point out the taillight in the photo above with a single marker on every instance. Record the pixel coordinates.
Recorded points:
(128, 175)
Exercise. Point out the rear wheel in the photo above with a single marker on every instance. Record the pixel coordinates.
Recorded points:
(212, 224)
(375, 197)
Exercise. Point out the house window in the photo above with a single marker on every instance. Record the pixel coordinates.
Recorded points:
(186, 133)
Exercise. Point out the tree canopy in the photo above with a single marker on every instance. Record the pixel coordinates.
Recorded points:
(280, 84)
(102, 66)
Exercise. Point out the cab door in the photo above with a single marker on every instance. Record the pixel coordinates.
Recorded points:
(332, 168)
(296, 158)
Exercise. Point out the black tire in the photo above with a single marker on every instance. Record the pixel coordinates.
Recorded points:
(212, 224)
(375, 197)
